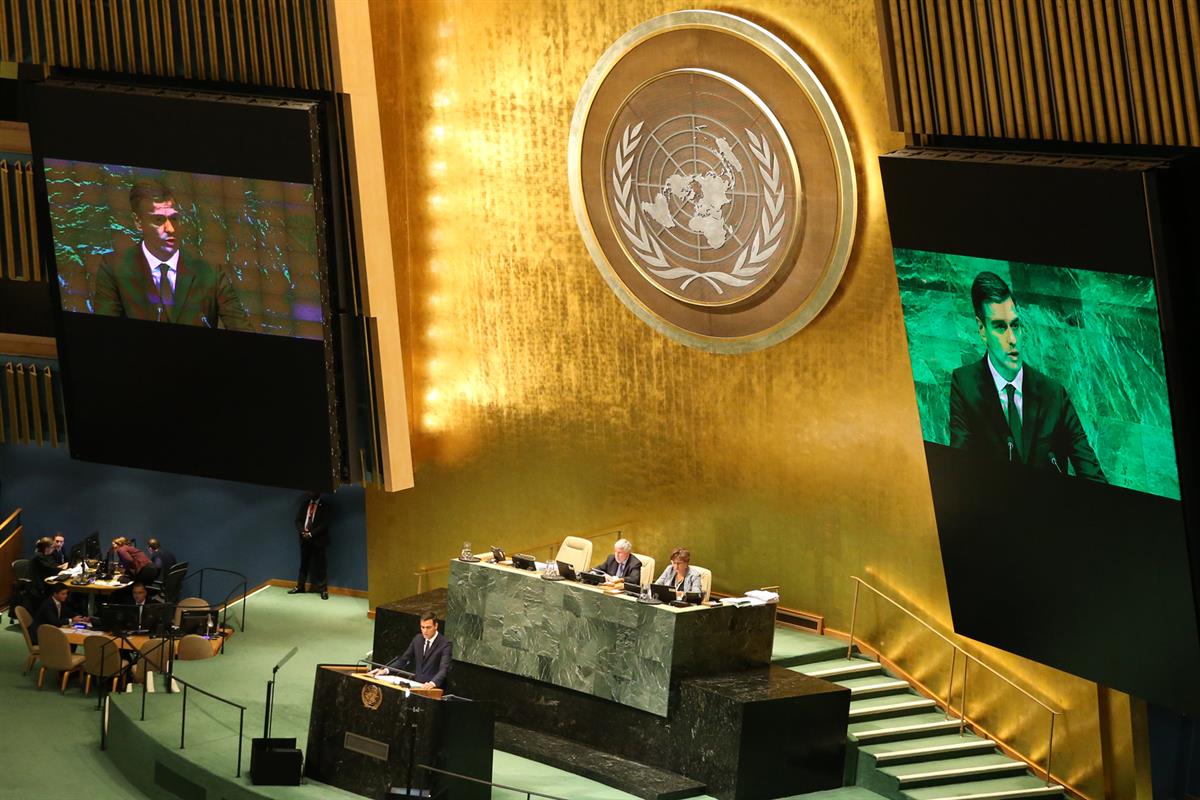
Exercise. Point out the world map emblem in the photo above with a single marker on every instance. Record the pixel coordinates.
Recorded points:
(703, 195)
(712, 181)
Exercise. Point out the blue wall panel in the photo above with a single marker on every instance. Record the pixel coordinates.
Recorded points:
(210, 523)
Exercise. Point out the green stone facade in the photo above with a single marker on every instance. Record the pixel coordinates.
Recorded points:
(579, 638)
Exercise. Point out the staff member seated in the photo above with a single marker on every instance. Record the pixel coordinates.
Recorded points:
(53, 611)
(42, 565)
(428, 654)
(679, 575)
(622, 564)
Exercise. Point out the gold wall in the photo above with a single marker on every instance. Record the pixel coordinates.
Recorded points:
(540, 406)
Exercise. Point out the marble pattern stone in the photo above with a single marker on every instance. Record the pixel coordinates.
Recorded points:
(577, 637)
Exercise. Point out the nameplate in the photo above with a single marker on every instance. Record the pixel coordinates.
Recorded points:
(371, 748)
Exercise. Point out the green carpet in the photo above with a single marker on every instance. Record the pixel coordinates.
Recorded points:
(332, 631)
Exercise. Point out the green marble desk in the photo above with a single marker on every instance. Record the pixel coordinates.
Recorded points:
(580, 638)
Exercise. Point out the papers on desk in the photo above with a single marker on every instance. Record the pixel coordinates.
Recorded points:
(757, 597)
(397, 680)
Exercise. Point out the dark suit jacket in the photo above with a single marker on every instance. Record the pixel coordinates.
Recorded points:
(203, 293)
(40, 568)
(431, 669)
(319, 527)
(164, 560)
(1049, 424)
(59, 557)
(47, 614)
(633, 568)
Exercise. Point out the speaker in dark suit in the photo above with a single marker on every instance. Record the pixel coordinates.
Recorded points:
(427, 655)
(1002, 407)
(154, 281)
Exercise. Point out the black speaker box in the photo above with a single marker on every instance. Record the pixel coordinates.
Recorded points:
(275, 762)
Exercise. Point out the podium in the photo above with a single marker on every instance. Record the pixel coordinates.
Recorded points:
(371, 738)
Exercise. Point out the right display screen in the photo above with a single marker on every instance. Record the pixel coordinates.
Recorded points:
(1056, 368)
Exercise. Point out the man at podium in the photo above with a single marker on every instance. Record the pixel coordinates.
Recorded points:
(428, 655)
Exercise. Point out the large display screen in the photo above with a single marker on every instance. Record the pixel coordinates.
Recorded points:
(238, 253)
(189, 233)
(1040, 303)
(1081, 351)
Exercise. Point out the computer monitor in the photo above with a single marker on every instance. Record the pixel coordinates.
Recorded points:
(91, 545)
(78, 553)
(116, 618)
(567, 571)
(195, 620)
(663, 593)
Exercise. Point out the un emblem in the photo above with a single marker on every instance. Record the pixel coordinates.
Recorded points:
(372, 696)
(712, 182)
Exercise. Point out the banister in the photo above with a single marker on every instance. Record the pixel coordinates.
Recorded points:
(14, 515)
(967, 659)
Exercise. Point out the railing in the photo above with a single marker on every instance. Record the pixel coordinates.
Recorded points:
(529, 793)
(11, 549)
(955, 652)
(241, 718)
(224, 604)
(422, 573)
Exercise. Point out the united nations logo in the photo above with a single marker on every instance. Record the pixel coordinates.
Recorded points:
(702, 199)
(712, 181)
(372, 696)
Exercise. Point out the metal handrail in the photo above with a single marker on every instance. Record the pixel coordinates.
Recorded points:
(422, 573)
(223, 605)
(14, 515)
(527, 792)
(967, 659)
(241, 718)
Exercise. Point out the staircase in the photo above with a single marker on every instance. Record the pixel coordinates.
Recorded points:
(900, 745)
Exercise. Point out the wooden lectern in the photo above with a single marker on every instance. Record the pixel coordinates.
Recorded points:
(371, 738)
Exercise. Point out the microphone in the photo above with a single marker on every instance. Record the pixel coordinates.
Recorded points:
(1011, 444)
(284, 660)
(1054, 461)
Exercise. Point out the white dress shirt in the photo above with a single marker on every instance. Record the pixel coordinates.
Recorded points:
(172, 264)
(1017, 382)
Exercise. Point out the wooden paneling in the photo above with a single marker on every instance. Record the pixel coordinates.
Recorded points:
(31, 411)
(202, 39)
(1107, 71)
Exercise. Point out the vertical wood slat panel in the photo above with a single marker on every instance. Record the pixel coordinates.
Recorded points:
(35, 405)
(956, 32)
(34, 269)
(919, 58)
(934, 65)
(22, 245)
(22, 426)
(1028, 94)
(51, 406)
(1188, 31)
(10, 393)
(1171, 73)
(8, 267)
(1101, 98)
(1005, 68)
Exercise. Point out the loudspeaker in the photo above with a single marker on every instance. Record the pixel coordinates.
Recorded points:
(275, 762)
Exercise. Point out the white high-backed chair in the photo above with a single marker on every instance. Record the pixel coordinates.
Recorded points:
(649, 575)
(577, 552)
(705, 579)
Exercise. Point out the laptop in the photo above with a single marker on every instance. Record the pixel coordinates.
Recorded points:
(567, 571)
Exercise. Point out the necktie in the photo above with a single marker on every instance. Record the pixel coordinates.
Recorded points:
(1014, 418)
(621, 569)
(312, 512)
(426, 653)
(166, 294)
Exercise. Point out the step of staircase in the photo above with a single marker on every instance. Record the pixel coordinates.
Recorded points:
(837, 668)
(930, 748)
(956, 770)
(894, 705)
(1012, 788)
(909, 726)
(873, 685)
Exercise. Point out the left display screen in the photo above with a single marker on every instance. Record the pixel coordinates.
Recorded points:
(210, 251)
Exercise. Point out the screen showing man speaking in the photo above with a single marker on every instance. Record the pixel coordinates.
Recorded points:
(1055, 368)
(209, 251)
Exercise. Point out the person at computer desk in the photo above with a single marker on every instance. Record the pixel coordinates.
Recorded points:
(622, 564)
(134, 562)
(141, 599)
(428, 654)
(59, 553)
(53, 611)
(42, 566)
(679, 574)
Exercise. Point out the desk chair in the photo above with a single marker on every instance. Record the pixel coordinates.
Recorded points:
(648, 565)
(577, 552)
(22, 587)
(26, 620)
(55, 653)
(102, 660)
(194, 648)
(705, 580)
(155, 657)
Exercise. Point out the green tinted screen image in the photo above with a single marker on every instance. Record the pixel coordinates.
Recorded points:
(1090, 353)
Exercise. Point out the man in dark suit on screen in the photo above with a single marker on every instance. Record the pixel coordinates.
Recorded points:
(1002, 407)
(154, 281)
(428, 655)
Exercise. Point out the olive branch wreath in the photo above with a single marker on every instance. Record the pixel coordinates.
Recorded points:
(752, 259)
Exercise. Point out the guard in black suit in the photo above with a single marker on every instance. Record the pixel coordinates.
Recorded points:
(1004, 408)
(428, 655)
(622, 563)
(312, 524)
